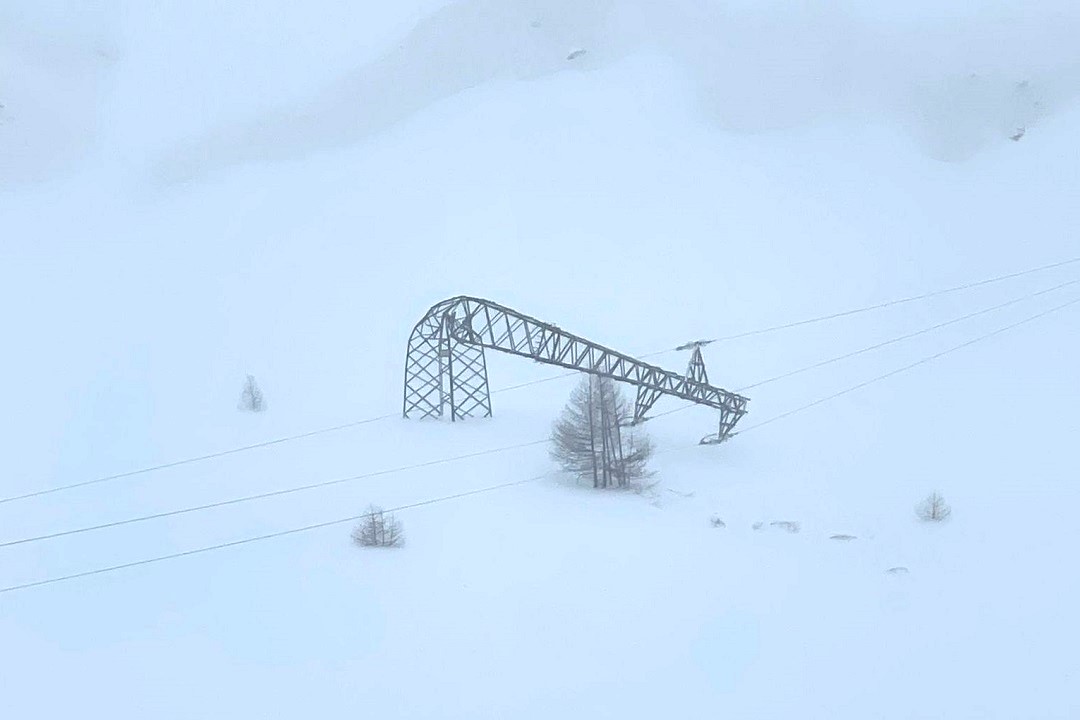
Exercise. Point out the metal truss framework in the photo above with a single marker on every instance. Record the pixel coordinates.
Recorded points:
(445, 370)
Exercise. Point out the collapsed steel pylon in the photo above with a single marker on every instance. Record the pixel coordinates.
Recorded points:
(445, 370)
(696, 371)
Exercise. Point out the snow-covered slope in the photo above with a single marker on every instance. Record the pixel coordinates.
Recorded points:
(284, 191)
(56, 60)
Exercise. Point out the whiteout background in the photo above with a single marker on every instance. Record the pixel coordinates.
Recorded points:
(190, 192)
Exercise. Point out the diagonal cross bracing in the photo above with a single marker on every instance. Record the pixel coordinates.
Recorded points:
(445, 371)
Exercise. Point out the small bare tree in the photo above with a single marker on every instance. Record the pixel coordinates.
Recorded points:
(251, 397)
(593, 439)
(377, 529)
(933, 509)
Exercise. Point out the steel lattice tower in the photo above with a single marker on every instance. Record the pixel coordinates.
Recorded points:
(446, 374)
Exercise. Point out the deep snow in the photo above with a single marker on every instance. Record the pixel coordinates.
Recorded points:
(190, 193)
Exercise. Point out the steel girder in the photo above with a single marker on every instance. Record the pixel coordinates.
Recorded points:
(445, 368)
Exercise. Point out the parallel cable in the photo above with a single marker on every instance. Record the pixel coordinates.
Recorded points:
(258, 538)
(529, 383)
(357, 423)
(190, 460)
(316, 526)
(892, 303)
(912, 366)
(224, 453)
(266, 495)
(885, 343)
(917, 333)
(233, 451)
(836, 315)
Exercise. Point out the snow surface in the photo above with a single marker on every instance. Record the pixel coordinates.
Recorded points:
(190, 192)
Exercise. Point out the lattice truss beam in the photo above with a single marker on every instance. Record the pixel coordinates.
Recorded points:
(446, 374)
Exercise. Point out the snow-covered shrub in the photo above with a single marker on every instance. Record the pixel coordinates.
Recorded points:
(933, 509)
(251, 397)
(377, 529)
(716, 522)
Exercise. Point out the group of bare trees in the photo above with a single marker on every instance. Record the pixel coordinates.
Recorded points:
(594, 440)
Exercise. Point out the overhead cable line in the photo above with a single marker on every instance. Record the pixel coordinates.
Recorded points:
(911, 366)
(909, 336)
(190, 460)
(892, 303)
(836, 315)
(211, 456)
(886, 343)
(258, 538)
(307, 528)
(345, 426)
(266, 495)
(223, 453)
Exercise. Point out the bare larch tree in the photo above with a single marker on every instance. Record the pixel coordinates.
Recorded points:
(933, 509)
(377, 529)
(593, 438)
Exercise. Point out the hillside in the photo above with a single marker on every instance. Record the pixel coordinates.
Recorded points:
(188, 195)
